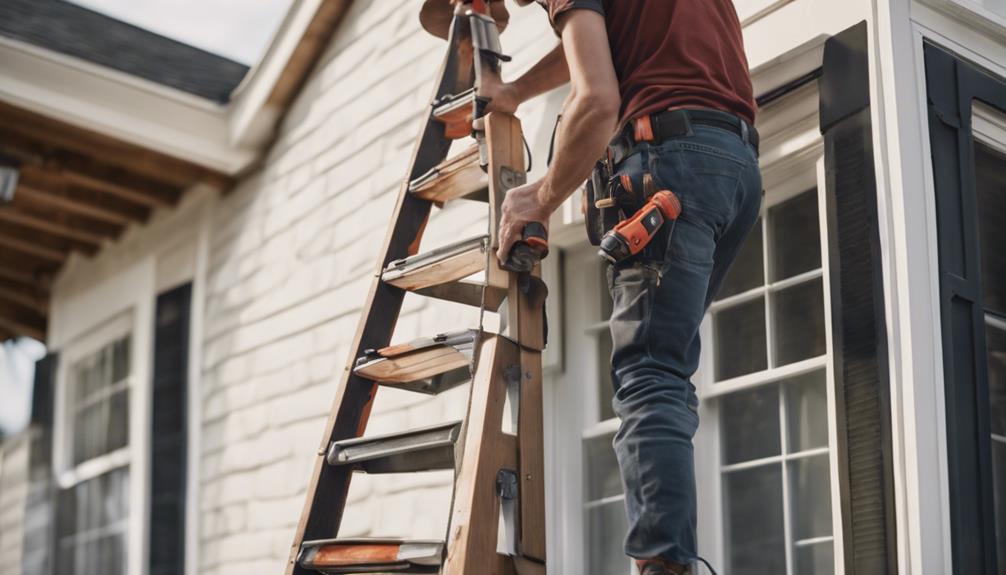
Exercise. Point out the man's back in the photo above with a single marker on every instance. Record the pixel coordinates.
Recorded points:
(674, 54)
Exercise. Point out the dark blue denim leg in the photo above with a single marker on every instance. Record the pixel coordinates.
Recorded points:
(659, 302)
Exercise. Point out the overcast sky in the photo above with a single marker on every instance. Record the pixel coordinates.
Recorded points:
(237, 29)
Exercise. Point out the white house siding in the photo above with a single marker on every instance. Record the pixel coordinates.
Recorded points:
(14, 453)
(292, 256)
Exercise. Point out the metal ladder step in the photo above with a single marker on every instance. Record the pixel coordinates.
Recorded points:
(428, 365)
(459, 176)
(424, 449)
(443, 265)
(343, 556)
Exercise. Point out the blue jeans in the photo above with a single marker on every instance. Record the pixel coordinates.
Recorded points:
(660, 297)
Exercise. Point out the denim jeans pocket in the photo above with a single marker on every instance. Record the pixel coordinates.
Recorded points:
(631, 286)
(692, 242)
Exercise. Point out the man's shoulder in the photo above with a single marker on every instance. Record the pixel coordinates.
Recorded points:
(557, 8)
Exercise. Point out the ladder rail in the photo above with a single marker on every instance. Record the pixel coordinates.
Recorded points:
(322, 515)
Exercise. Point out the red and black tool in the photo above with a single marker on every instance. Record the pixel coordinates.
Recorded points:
(529, 250)
(631, 235)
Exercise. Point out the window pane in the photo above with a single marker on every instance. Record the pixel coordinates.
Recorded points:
(602, 468)
(91, 525)
(101, 420)
(996, 344)
(755, 536)
(118, 421)
(995, 341)
(810, 485)
(89, 433)
(796, 236)
(999, 495)
(807, 412)
(606, 528)
(120, 360)
(799, 322)
(605, 391)
(740, 340)
(748, 268)
(816, 559)
(750, 425)
(990, 182)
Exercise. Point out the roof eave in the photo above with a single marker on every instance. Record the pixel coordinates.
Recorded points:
(120, 105)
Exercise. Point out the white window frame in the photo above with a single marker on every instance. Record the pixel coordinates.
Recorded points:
(792, 163)
(172, 249)
(69, 474)
(88, 321)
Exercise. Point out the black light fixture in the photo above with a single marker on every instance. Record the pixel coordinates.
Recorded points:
(10, 171)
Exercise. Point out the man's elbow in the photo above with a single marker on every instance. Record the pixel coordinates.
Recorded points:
(601, 106)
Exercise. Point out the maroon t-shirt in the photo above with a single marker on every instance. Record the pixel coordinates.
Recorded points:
(673, 54)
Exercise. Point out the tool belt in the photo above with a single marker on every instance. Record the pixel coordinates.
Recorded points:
(610, 198)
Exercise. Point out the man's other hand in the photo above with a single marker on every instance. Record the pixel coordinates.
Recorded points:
(503, 96)
(520, 207)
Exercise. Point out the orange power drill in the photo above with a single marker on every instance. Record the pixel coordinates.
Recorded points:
(630, 236)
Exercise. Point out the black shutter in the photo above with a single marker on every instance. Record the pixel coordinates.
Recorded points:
(859, 331)
(39, 528)
(952, 85)
(168, 433)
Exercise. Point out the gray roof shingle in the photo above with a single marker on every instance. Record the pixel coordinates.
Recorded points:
(76, 31)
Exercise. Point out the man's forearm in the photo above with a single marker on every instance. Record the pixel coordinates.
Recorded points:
(581, 139)
(591, 111)
(547, 74)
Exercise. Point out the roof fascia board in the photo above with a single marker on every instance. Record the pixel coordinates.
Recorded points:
(253, 115)
(119, 105)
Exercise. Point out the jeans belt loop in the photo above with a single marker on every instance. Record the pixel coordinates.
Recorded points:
(745, 131)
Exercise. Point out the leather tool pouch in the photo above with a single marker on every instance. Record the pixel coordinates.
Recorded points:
(600, 196)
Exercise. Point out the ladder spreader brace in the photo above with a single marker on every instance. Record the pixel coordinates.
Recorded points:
(497, 519)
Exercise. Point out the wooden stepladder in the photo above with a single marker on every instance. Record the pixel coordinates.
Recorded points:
(497, 519)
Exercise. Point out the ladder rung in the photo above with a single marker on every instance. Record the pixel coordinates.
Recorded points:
(419, 359)
(455, 111)
(443, 265)
(460, 176)
(425, 449)
(341, 556)
(466, 292)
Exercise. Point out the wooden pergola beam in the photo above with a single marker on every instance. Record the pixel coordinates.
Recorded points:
(20, 321)
(39, 195)
(34, 301)
(19, 276)
(151, 199)
(13, 215)
(19, 328)
(20, 245)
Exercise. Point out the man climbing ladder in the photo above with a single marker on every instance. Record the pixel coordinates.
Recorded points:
(670, 80)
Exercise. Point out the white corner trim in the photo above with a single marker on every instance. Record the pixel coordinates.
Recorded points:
(251, 117)
(197, 314)
(119, 105)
